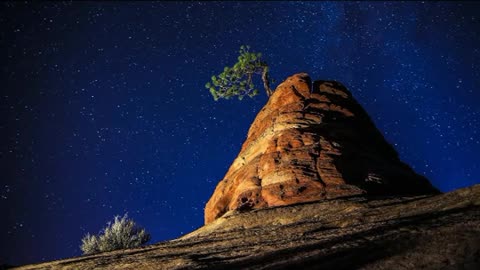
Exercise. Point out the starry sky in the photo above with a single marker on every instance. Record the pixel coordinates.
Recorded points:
(104, 111)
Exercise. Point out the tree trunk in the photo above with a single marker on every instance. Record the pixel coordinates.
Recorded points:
(266, 81)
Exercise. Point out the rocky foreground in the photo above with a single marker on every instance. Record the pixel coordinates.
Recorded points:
(417, 232)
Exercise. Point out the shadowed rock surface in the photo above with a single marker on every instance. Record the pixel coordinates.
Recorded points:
(416, 232)
(311, 142)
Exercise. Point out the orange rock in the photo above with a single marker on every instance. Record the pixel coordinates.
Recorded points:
(311, 142)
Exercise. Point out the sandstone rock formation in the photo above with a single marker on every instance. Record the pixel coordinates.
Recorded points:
(311, 141)
(324, 190)
(416, 232)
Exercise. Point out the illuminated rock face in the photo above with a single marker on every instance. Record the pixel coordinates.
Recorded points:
(311, 141)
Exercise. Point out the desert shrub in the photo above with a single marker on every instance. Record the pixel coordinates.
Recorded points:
(122, 233)
(89, 244)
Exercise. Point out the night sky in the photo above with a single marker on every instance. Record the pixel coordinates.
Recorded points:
(104, 111)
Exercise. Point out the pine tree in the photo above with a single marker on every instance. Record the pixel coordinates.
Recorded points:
(238, 80)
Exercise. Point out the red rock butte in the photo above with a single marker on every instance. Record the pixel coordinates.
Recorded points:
(312, 141)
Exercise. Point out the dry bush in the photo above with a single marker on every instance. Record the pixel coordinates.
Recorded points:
(122, 233)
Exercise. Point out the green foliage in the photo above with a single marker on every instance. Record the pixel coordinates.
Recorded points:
(122, 233)
(237, 80)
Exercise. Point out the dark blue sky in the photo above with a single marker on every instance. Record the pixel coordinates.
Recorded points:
(104, 109)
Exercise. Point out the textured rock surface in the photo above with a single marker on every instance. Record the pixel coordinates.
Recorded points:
(416, 232)
(311, 142)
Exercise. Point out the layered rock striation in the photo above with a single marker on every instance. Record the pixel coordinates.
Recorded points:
(311, 141)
